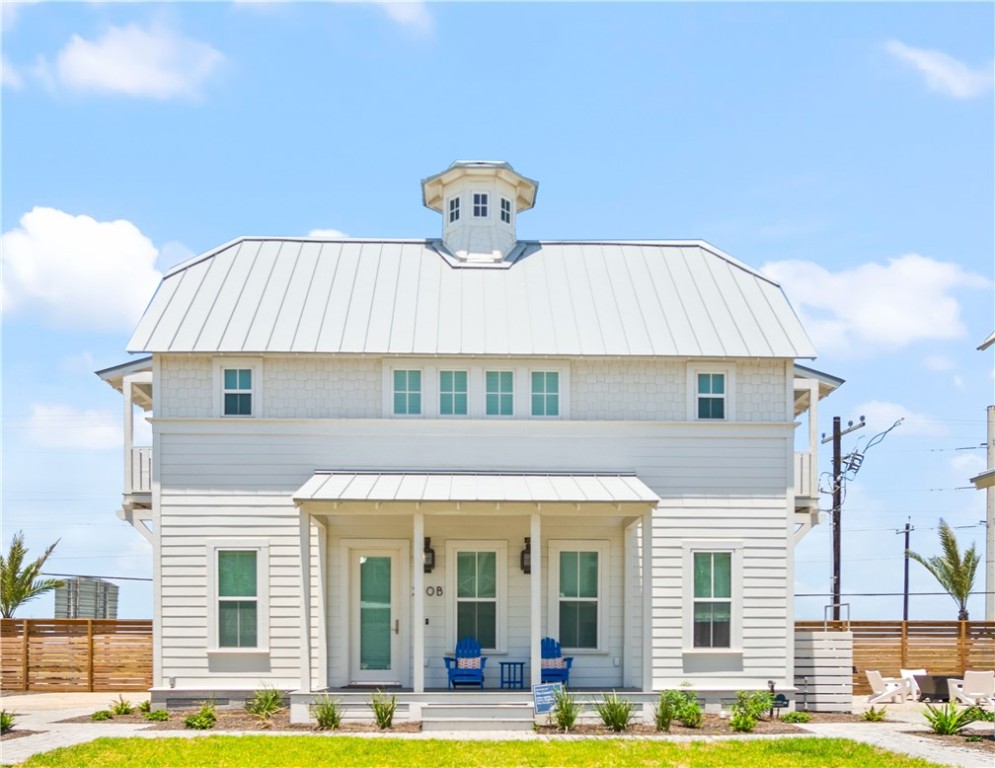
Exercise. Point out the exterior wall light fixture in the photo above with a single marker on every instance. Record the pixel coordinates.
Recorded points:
(526, 559)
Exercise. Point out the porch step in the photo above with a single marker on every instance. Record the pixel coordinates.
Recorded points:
(477, 717)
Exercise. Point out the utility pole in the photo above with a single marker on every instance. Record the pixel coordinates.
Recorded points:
(905, 603)
(838, 503)
(990, 524)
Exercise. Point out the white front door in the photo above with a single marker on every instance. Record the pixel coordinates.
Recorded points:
(375, 619)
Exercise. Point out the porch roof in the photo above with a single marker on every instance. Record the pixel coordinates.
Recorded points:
(476, 488)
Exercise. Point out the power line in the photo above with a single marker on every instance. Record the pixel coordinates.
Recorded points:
(90, 576)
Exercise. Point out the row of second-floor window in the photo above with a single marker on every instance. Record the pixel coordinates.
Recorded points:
(455, 395)
(477, 391)
(480, 208)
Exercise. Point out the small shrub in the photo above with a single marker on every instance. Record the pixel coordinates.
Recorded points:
(121, 706)
(742, 721)
(663, 713)
(266, 703)
(873, 715)
(757, 704)
(6, 721)
(687, 710)
(564, 713)
(615, 712)
(796, 717)
(102, 714)
(327, 712)
(949, 720)
(145, 706)
(984, 714)
(974, 738)
(384, 707)
(156, 715)
(205, 718)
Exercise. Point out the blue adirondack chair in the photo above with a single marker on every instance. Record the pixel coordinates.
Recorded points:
(555, 667)
(467, 666)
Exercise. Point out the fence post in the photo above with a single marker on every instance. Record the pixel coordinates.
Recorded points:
(962, 646)
(905, 644)
(24, 652)
(89, 655)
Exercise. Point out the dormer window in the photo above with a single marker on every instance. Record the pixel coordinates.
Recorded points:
(453, 209)
(480, 205)
(506, 210)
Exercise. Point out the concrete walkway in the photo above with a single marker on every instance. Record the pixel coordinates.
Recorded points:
(41, 712)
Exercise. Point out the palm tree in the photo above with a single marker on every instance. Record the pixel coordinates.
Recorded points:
(19, 582)
(955, 573)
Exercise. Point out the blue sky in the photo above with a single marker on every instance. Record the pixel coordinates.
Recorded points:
(846, 149)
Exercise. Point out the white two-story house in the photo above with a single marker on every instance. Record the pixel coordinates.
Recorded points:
(364, 450)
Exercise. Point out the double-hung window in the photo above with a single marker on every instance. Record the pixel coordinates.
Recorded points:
(500, 394)
(545, 394)
(579, 596)
(237, 391)
(477, 597)
(452, 393)
(711, 395)
(238, 598)
(407, 393)
(453, 209)
(712, 599)
(480, 205)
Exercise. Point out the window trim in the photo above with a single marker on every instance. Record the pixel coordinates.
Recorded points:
(391, 392)
(735, 548)
(729, 371)
(221, 364)
(500, 393)
(484, 204)
(440, 393)
(505, 209)
(453, 209)
(553, 549)
(500, 548)
(545, 395)
(261, 547)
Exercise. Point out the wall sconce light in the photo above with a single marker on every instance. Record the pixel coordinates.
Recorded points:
(526, 559)
(428, 555)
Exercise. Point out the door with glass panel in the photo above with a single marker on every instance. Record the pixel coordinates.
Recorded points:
(375, 616)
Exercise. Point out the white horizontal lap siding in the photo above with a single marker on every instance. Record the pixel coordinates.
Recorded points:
(185, 528)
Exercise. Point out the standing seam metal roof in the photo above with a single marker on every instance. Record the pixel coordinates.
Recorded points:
(352, 296)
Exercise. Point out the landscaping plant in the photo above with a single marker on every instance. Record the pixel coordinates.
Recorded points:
(949, 720)
(266, 703)
(564, 713)
(145, 706)
(121, 706)
(663, 713)
(873, 715)
(749, 707)
(615, 712)
(6, 721)
(327, 712)
(101, 714)
(384, 707)
(156, 715)
(796, 717)
(686, 709)
(204, 719)
(19, 582)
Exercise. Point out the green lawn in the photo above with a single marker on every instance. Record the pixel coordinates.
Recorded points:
(351, 751)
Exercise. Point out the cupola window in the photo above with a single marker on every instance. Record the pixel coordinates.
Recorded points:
(506, 210)
(480, 205)
(453, 209)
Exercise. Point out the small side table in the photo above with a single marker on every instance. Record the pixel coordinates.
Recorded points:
(512, 674)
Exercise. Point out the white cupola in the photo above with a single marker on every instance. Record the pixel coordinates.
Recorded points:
(479, 200)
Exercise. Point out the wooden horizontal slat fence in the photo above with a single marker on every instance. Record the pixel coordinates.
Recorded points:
(939, 647)
(49, 655)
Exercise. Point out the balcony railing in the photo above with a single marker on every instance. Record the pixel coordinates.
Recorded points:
(139, 476)
(806, 484)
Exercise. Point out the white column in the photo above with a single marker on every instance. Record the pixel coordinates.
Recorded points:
(305, 555)
(129, 432)
(418, 580)
(535, 587)
(647, 542)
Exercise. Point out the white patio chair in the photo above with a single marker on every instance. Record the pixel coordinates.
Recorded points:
(975, 689)
(894, 689)
(909, 674)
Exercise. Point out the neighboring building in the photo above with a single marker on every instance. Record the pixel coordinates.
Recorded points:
(329, 415)
(85, 597)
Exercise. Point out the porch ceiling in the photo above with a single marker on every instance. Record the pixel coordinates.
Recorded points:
(440, 490)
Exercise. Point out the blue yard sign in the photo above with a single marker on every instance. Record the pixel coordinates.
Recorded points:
(544, 697)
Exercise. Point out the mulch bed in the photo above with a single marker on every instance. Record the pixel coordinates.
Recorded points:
(986, 743)
(17, 733)
(240, 720)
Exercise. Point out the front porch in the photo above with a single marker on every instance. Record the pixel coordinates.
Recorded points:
(383, 611)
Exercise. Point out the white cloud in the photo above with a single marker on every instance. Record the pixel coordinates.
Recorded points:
(881, 415)
(62, 426)
(79, 272)
(873, 306)
(156, 63)
(937, 363)
(968, 464)
(413, 15)
(10, 9)
(945, 74)
(332, 234)
(10, 77)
